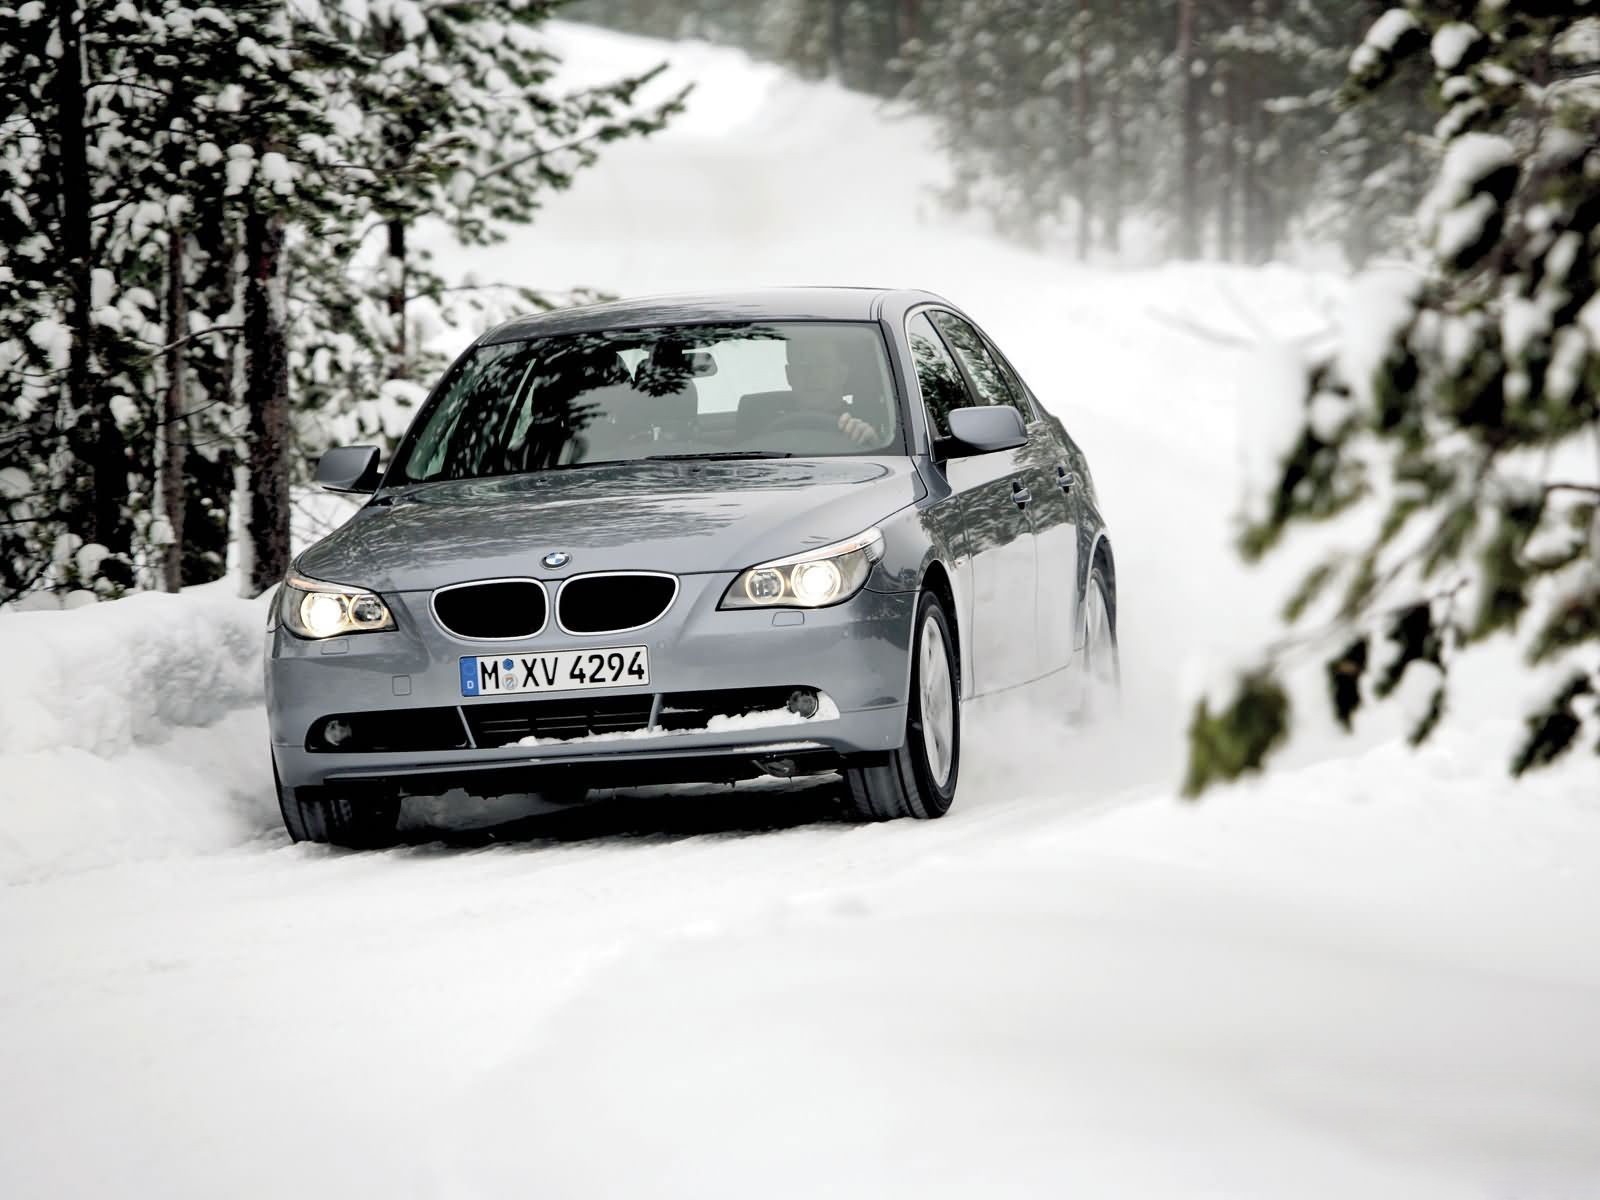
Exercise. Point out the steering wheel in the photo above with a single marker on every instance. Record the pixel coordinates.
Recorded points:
(804, 419)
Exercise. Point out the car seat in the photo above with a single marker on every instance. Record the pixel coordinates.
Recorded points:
(667, 393)
(758, 410)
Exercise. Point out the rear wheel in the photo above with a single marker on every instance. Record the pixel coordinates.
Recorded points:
(1102, 660)
(919, 779)
(351, 819)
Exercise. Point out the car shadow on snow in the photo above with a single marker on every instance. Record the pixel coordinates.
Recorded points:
(664, 814)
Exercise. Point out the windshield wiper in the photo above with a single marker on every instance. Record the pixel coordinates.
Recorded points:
(715, 454)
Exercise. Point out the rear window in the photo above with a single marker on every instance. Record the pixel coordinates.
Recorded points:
(803, 388)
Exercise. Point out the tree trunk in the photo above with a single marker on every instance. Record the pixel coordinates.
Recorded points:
(1189, 137)
(93, 436)
(1227, 168)
(1084, 150)
(1247, 133)
(910, 17)
(209, 464)
(836, 39)
(174, 425)
(266, 398)
(396, 267)
(886, 31)
(1113, 177)
(1257, 235)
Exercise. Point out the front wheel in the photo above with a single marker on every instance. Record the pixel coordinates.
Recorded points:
(919, 779)
(349, 819)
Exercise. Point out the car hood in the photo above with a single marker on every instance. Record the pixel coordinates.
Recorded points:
(680, 517)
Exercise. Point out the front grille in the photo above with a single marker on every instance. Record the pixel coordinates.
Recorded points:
(614, 603)
(496, 609)
(505, 722)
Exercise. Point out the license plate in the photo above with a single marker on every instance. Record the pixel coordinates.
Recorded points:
(556, 671)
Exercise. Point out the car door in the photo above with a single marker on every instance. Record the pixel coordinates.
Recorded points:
(1049, 507)
(994, 497)
(1058, 524)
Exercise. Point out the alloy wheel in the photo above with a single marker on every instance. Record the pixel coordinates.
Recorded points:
(937, 701)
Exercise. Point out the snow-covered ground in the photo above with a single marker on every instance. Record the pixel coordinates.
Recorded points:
(1372, 974)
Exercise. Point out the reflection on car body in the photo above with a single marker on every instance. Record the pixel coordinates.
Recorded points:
(804, 526)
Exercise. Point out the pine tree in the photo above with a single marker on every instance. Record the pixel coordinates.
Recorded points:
(462, 122)
(184, 194)
(76, 329)
(1458, 427)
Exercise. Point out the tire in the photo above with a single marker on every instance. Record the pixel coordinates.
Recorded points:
(919, 779)
(349, 819)
(1102, 656)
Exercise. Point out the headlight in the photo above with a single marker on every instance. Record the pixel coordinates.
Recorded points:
(324, 610)
(815, 579)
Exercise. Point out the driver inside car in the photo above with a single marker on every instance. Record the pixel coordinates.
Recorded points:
(819, 380)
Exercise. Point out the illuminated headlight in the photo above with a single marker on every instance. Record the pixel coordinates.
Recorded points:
(324, 610)
(815, 579)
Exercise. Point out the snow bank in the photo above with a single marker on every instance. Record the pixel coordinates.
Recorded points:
(110, 676)
(131, 728)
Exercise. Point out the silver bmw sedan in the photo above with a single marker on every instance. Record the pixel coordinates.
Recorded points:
(690, 538)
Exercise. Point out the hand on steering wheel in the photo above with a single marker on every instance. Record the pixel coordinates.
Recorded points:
(858, 431)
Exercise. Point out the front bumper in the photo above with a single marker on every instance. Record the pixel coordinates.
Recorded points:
(857, 654)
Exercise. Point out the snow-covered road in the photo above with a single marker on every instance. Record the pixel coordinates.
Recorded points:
(1373, 974)
(1288, 991)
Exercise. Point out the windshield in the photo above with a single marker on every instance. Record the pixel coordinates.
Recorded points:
(803, 388)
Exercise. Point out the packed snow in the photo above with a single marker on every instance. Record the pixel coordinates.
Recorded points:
(131, 730)
(766, 718)
(1371, 973)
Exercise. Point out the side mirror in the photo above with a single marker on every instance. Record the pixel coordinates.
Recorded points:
(349, 469)
(984, 430)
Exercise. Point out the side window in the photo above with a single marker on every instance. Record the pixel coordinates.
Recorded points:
(937, 376)
(1026, 400)
(992, 385)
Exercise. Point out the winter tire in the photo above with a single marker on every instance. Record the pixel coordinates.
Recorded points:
(1102, 659)
(919, 779)
(322, 814)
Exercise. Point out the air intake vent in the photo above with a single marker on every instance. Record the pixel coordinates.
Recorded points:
(614, 603)
(693, 710)
(505, 722)
(496, 610)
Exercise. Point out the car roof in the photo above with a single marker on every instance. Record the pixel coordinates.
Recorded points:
(767, 304)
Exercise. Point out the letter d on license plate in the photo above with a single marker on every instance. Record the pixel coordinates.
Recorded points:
(556, 671)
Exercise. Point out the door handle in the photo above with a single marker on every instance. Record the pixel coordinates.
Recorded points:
(1066, 480)
(1020, 494)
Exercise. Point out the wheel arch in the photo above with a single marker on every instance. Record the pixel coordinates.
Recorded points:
(1100, 555)
(936, 579)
